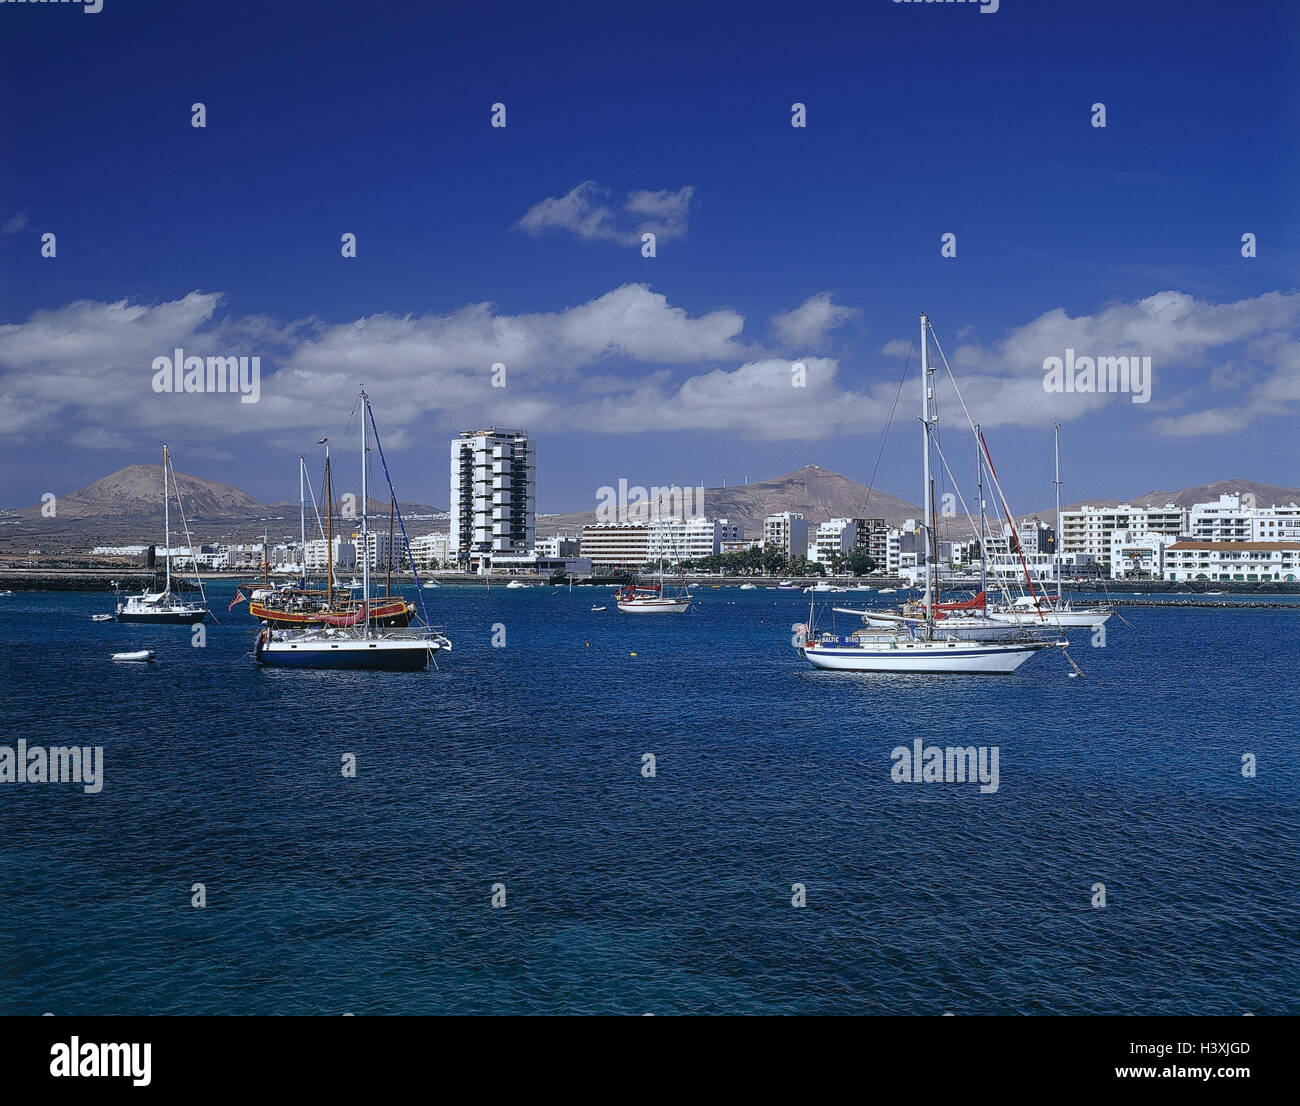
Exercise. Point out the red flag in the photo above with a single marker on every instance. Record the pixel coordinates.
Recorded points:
(240, 597)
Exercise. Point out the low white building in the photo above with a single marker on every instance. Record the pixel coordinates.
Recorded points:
(1227, 561)
(616, 546)
(1138, 554)
(559, 545)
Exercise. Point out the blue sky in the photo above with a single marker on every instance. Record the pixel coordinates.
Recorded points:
(922, 120)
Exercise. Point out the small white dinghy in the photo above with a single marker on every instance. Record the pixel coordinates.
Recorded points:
(138, 655)
(101, 618)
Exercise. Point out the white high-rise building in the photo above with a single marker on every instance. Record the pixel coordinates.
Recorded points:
(493, 495)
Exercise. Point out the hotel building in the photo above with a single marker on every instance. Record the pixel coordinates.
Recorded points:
(625, 546)
(493, 495)
(1233, 560)
(1088, 529)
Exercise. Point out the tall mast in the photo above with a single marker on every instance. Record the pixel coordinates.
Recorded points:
(365, 524)
(979, 468)
(167, 522)
(388, 577)
(925, 455)
(302, 515)
(1056, 544)
(329, 528)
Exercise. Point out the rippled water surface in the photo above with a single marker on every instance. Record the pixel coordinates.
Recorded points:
(522, 766)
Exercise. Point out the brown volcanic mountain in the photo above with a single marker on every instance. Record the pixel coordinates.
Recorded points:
(135, 492)
(812, 491)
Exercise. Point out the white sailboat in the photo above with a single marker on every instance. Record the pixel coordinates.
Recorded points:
(362, 645)
(927, 648)
(635, 598)
(966, 620)
(162, 607)
(1041, 607)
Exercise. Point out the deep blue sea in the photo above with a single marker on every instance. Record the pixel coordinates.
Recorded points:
(522, 766)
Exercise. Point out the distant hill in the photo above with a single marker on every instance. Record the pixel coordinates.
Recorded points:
(812, 491)
(136, 492)
(126, 508)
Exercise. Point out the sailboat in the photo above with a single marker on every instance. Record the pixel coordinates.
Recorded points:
(358, 643)
(1042, 607)
(924, 648)
(162, 607)
(634, 598)
(968, 619)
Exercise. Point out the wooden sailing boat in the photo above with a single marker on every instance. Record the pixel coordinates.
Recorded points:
(163, 607)
(302, 607)
(360, 645)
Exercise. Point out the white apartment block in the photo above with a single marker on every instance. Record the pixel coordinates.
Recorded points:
(616, 546)
(493, 495)
(1233, 560)
(903, 546)
(1089, 529)
(377, 545)
(1138, 554)
(839, 535)
(345, 554)
(677, 540)
(432, 550)
(787, 532)
(1231, 519)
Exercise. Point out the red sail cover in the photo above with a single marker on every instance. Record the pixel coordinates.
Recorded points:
(969, 604)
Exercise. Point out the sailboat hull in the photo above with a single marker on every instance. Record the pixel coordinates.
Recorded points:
(654, 606)
(923, 657)
(361, 654)
(397, 613)
(1051, 619)
(165, 618)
